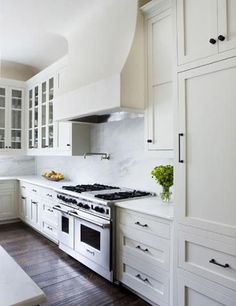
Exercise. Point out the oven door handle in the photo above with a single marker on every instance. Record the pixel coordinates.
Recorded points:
(57, 207)
(102, 225)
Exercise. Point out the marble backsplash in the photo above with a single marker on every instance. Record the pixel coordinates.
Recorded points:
(130, 165)
(11, 166)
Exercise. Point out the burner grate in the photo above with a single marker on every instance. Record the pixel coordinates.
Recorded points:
(123, 195)
(88, 187)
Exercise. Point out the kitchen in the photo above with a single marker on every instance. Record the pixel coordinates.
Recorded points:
(97, 103)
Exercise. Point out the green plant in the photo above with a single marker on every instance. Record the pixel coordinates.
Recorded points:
(164, 175)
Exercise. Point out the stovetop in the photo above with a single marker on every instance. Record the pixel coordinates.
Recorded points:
(89, 187)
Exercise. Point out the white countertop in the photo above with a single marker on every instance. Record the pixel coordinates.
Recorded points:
(16, 287)
(150, 206)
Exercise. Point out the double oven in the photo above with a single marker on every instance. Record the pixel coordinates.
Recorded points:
(86, 237)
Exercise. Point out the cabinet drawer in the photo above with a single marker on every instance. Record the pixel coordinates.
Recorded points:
(23, 189)
(31, 189)
(48, 194)
(50, 230)
(144, 223)
(210, 258)
(48, 213)
(194, 291)
(148, 248)
(153, 285)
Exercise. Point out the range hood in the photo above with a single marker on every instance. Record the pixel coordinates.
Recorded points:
(105, 75)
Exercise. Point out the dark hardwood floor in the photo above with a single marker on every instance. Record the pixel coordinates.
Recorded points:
(64, 280)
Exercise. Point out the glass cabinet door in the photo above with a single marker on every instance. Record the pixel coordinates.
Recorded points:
(16, 119)
(30, 127)
(50, 112)
(44, 142)
(2, 117)
(36, 116)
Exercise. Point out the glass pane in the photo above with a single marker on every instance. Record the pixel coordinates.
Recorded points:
(30, 139)
(36, 138)
(36, 117)
(30, 119)
(51, 88)
(2, 101)
(2, 145)
(16, 119)
(36, 96)
(50, 132)
(30, 98)
(2, 91)
(2, 136)
(90, 237)
(65, 225)
(43, 137)
(44, 114)
(16, 93)
(16, 103)
(16, 139)
(44, 94)
(50, 119)
(2, 118)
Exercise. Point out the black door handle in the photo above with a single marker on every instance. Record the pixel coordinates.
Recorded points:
(212, 41)
(180, 160)
(221, 37)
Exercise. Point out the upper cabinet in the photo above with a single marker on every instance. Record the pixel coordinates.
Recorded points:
(11, 117)
(159, 51)
(45, 135)
(206, 31)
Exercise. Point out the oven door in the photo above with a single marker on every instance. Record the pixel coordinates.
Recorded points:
(65, 227)
(93, 240)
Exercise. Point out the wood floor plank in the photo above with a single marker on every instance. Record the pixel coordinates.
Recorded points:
(65, 281)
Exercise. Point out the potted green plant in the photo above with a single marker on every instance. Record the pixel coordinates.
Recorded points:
(164, 175)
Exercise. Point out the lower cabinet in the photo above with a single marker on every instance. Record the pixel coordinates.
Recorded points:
(36, 209)
(143, 255)
(8, 200)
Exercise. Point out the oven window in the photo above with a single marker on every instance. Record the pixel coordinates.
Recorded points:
(65, 225)
(90, 237)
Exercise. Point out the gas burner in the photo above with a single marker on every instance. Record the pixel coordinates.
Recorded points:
(122, 195)
(88, 187)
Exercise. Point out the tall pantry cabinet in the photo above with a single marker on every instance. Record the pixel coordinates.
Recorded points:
(205, 193)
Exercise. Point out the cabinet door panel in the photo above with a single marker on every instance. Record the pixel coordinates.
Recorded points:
(205, 181)
(7, 205)
(196, 24)
(227, 24)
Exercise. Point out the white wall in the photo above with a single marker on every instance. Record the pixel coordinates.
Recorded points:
(11, 166)
(130, 165)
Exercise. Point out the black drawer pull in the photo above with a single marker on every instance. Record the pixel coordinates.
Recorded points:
(145, 280)
(49, 195)
(23, 198)
(180, 160)
(212, 41)
(139, 224)
(221, 37)
(149, 141)
(49, 227)
(141, 249)
(34, 190)
(49, 209)
(213, 261)
(34, 202)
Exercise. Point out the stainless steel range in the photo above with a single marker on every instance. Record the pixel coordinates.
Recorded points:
(86, 218)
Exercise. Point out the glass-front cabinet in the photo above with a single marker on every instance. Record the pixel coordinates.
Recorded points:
(41, 127)
(11, 119)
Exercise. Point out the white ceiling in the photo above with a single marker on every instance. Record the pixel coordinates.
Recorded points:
(34, 32)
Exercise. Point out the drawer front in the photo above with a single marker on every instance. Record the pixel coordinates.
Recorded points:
(31, 189)
(48, 194)
(50, 230)
(144, 223)
(49, 214)
(209, 258)
(23, 189)
(194, 291)
(149, 248)
(154, 287)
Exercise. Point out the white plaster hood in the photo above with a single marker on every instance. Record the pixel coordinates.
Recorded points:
(105, 71)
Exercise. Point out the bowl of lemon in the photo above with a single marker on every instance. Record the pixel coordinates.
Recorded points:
(53, 176)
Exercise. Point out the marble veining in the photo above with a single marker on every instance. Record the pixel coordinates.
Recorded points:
(12, 166)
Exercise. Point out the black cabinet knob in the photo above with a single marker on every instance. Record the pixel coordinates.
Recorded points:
(149, 141)
(221, 37)
(212, 41)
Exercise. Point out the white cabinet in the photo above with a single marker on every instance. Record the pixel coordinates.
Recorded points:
(159, 40)
(143, 255)
(8, 200)
(205, 175)
(205, 30)
(12, 130)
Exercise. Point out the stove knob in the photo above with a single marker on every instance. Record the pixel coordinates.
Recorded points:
(101, 210)
(86, 206)
(59, 196)
(63, 198)
(70, 200)
(96, 208)
(80, 204)
(74, 201)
